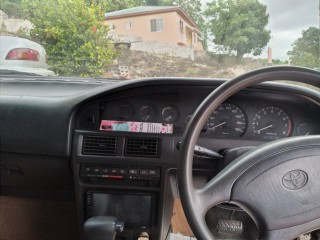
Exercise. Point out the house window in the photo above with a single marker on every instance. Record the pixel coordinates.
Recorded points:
(156, 25)
(127, 25)
(181, 26)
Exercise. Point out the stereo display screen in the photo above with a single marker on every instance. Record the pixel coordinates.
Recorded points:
(134, 210)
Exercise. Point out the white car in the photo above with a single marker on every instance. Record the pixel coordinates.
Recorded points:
(23, 56)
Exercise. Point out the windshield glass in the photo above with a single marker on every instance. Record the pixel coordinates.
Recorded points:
(133, 39)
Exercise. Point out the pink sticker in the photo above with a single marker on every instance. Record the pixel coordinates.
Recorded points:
(144, 127)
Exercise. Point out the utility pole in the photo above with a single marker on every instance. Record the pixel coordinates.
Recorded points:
(270, 55)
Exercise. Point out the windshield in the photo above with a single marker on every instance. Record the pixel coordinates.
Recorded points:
(133, 39)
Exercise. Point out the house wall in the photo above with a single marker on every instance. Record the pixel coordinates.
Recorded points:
(140, 27)
(188, 37)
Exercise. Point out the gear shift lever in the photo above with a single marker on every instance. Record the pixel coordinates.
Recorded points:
(102, 228)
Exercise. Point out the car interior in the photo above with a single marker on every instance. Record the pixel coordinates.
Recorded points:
(107, 159)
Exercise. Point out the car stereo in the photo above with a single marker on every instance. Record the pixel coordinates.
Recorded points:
(135, 209)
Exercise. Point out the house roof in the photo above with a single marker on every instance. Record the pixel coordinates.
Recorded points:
(139, 10)
(147, 10)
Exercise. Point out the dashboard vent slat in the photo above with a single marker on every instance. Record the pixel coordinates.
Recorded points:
(142, 147)
(99, 145)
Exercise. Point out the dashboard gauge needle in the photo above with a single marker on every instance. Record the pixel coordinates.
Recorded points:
(217, 125)
(264, 128)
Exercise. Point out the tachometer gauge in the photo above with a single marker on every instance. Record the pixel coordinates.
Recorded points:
(272, 123)
(169, 114)
(147, 112)
(227, 120)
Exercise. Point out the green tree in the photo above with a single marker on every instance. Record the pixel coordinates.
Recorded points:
(115, 5)
(239, 25)
(306, 49)
(73, 34)
(193, 8)
(152, 2)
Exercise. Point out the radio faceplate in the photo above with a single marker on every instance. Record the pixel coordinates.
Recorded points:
(120, 175)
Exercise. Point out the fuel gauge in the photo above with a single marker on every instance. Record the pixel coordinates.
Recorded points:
(304, 129)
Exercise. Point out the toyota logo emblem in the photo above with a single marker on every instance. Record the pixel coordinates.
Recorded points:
(295, 179)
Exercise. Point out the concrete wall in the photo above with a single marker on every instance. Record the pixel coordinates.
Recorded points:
(138, 44)
(14, 25)
(163, 48)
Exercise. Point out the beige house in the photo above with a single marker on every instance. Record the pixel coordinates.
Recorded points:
(168, 26)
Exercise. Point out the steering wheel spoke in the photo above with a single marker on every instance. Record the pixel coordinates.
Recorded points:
(213, 193)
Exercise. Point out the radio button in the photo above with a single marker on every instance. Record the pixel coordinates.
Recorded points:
(123, 171)
(144, 172)
(104, 170)
(153, 172)
(133, 171)
(88, 169)
(114, 170)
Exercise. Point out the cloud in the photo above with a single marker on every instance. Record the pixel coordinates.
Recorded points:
(287, 19)
(290, 14)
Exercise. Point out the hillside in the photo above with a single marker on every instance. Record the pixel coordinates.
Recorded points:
(136, 64)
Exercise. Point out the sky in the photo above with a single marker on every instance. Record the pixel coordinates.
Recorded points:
(287, 19)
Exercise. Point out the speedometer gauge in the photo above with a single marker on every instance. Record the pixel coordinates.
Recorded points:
(272, 123)
(227, 120)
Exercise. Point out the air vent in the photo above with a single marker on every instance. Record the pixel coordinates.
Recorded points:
(142, 147)
(99, 145)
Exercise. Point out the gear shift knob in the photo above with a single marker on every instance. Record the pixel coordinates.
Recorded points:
(102, 228)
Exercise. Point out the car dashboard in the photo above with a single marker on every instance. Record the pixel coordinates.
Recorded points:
(119, 139)
(250, 115)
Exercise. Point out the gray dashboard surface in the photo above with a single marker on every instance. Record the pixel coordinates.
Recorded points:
(37, 115)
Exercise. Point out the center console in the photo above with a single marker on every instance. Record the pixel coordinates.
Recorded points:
(134, 189)
(125, 157)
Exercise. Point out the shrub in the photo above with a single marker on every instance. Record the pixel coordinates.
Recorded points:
(73, 34)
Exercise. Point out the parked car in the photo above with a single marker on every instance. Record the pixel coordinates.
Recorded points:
(21, 55)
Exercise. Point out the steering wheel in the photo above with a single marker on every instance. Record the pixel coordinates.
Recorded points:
(277, 184)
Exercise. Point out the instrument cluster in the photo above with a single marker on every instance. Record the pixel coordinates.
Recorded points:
(258, 117)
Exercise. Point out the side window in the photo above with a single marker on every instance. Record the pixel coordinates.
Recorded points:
(156, 25)
(127, 25)
(181, 26)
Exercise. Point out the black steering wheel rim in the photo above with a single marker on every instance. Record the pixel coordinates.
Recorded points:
(188, 194)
